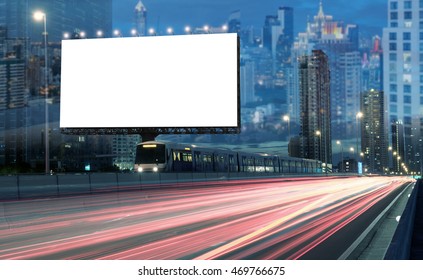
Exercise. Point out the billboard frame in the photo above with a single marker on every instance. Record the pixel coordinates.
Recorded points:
(166, 130)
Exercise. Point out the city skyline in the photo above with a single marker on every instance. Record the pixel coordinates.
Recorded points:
(162, 14)
(272, 39)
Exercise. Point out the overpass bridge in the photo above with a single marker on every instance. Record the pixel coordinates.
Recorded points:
(210, 215)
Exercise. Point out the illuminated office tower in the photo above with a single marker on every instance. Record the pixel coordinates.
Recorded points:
(315, 137)
(373, 138)
(12, 117)
(403, 78)
(123, 151)
(339, 41)
(247, 82)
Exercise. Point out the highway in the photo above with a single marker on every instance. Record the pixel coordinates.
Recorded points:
(300, 218)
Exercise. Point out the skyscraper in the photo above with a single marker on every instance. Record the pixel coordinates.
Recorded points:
(12, 118)
(403, 76)
(275, 27)
(315, 137)
(340, 43)
(373, 137)
(62, 16)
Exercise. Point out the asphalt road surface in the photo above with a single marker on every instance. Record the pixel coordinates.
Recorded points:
(311, 218)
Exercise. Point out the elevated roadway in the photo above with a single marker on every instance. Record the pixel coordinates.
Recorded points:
(303, 218)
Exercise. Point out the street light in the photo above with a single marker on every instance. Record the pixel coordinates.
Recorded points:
(358, 118)
(117, 33)
(169, 30)
(318, 134)
(152, 32)
(99, 33)
(134, 32)
(188, 30)
(40, 16)
(287, 119)
(342, 154)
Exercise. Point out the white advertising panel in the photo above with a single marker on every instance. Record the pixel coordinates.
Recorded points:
(157, 81)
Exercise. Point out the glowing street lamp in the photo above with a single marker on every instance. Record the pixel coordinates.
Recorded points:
(188, 30)
(134, 32)
(169, 30)
(99, 33)
(152, 32)
(40, 16)
(117, 33)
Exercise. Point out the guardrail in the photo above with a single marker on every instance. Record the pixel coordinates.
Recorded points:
(400, 246)
(17, 187)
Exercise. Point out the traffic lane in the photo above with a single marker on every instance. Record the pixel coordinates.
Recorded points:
(127, 219)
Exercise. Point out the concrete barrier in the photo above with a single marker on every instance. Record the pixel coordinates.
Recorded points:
(74, 184)
(9, 188)
(37, 186)
(148, 179)
(101, 182)
(129, 180)
(168, 178)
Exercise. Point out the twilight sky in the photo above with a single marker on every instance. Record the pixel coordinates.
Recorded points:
(197, 13)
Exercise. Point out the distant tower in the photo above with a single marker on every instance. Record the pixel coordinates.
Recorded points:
(373, 137)
(141, 18)
(315, 142)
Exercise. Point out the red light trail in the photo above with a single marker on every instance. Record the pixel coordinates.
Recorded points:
(256, 219)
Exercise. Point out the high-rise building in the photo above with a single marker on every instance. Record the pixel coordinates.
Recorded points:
(403, 76)
(276, 26)
(140, 19)
(234, 22)
(373, 137)
(123, 151)
(247, 82)
(372, 74)
(62, 16)
(315, 137)
(12, 119)
(340, 42)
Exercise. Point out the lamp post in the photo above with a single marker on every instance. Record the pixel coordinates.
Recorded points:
(342, 154)
(288, 121)
(40, 16)
(358, 118)
(318, 134)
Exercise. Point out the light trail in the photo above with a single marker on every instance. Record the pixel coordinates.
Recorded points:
(263, 218)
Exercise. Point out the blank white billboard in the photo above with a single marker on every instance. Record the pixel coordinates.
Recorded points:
(158, 81)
